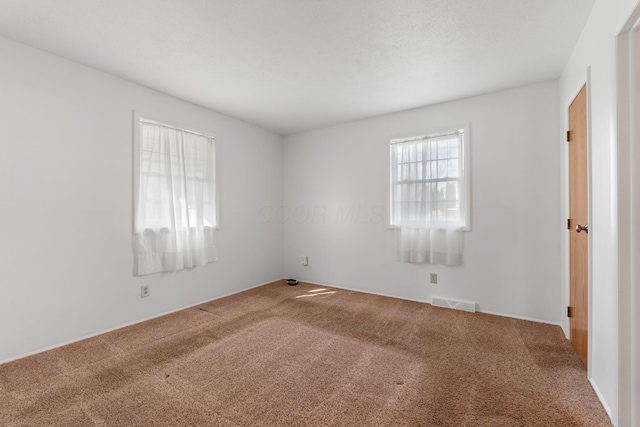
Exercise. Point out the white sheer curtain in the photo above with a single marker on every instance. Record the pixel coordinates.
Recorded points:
(427, 185)
(175, 209)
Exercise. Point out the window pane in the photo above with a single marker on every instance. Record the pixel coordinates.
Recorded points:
(453, 168)
(453, 210)
(443, 149)
(404, 171)
(429, 189)
(452, 191)
(433, 150)
(441, 190)
(453, 148)
(442, 169)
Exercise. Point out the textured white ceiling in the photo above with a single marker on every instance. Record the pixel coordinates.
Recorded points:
(293, 65)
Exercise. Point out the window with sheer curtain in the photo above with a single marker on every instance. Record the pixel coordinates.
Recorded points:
(429, 197)
(175, 214)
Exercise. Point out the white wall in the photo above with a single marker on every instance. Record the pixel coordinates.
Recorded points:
(596, 49)
(66, 203)
(336, 183)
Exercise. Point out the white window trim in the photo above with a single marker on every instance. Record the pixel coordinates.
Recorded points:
(466, 164)
(137, 116)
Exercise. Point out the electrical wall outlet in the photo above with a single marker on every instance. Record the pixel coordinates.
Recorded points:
(434, 278)
(144, 291)
(304, 260)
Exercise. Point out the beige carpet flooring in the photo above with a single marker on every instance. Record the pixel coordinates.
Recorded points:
(307, 356)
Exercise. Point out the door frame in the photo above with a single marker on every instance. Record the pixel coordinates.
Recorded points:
(628, 185)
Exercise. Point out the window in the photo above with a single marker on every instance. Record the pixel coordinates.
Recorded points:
(428, 179)
(429, 195)
(175, 213)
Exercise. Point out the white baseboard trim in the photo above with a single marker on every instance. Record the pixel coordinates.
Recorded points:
(513, 316)
(604, 402)
(84, 337)
(567, 334)
(364, 292)
(428, 302)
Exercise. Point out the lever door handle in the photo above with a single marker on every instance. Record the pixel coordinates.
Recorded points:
(580, 228)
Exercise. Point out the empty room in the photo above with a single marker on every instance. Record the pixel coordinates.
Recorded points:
(319, 213)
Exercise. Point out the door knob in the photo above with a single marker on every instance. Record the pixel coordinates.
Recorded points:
(580, 228)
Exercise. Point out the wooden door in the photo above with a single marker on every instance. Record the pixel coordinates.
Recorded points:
(578, 225)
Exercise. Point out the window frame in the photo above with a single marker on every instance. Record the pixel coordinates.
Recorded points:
(137, 117)
(466, 167)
